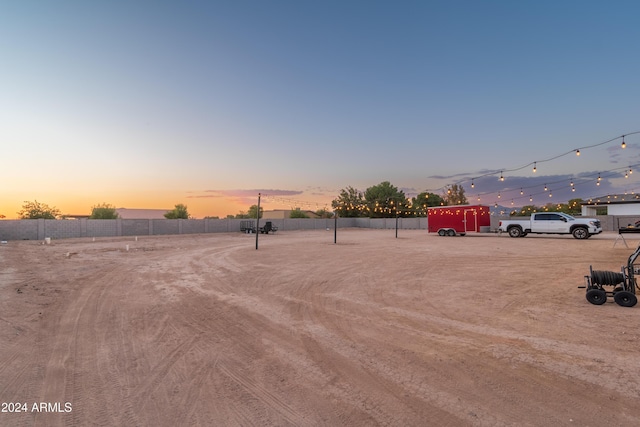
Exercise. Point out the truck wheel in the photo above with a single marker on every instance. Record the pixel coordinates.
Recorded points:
(442, 232)
(596, 296)
(625, 298)
(580, 233)
(451, 232)
(515, 232)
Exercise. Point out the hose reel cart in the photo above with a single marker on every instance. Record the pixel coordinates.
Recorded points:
(624, 284)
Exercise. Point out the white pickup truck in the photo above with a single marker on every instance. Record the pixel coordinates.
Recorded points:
(551, 223)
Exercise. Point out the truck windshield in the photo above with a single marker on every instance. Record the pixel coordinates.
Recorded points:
(569, 217)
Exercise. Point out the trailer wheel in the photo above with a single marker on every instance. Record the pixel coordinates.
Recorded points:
(442, 232)
(451, 232)
(625, 298)
(596, 296)
(515, 232)
(580, 233)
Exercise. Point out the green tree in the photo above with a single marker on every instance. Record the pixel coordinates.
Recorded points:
(574, 206)
(253, 209)
(454, 195)
(324, 213)
(525, 210)
(103, 211)
(297, 213)
(385, 200)
(349, 204)
(179, 212)
(37, 210)
(423, 200)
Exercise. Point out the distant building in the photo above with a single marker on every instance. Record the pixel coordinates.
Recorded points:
(285, 213)
(614, 204)
(126, 213)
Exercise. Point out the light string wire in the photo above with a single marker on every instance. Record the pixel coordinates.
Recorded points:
(577, 181)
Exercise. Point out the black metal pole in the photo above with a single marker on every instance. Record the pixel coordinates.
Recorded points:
(258, 221)
(396, 223)
(335, 227)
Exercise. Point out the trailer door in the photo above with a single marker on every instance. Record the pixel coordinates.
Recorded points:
(470, 220)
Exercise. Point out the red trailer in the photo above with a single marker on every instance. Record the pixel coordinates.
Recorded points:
(452, 220)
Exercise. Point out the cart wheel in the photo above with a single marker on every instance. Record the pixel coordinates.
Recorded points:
(441, 232)
(596, 296)
(625, 298)
(451, 232)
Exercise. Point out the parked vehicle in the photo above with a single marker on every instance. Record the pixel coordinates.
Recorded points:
(551, 223)
(249, 226)
(458, 220)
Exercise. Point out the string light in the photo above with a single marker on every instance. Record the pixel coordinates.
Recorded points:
(577, 152)
(472, 184)
(623, 143)
(501, 177)
(535, 169)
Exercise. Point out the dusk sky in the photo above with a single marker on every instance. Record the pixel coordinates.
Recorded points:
(146, 104)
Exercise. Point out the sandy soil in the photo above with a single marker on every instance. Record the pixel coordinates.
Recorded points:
(480, 330)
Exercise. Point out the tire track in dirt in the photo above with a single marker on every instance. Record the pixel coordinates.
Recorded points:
(271, 400)
(72, 365)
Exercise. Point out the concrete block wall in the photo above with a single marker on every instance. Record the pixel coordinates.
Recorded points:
(193, 226)
(60, 229)
(100, 227)
(135, 227)
(19, 229)
(165, 226)
(38, 229)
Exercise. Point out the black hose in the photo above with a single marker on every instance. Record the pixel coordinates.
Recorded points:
(606, 278)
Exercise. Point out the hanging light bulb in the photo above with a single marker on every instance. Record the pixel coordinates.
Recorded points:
(501, 177)
(626, 175)
(550, 195)
(472, 184)
(623, 145)
(630, 171)
(530, 199)
(534, 167)
(577, 152)
(571, 184)
(573, 188)
(498, 195)
(521, 192)
(545, 188)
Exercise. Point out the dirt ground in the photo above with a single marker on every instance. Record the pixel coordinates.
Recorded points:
(481, 330)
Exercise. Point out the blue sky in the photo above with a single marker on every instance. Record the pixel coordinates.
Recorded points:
(148, 104)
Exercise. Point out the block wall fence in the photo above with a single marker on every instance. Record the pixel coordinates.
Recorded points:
(38, 229)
